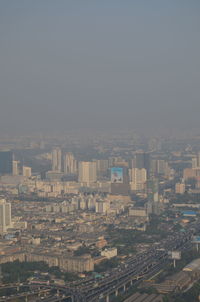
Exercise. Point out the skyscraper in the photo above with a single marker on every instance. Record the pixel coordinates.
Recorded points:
(57, 160)
(102, 165)
(196, 161)
(153, 189)
(120, 181)
(5, 215)
(70, 164)
(138, 179)
(6, 162)
(87, 172)
(15, 167)
(159, 167)
(141, 161)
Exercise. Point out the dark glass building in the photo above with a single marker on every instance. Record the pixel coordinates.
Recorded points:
(6, 162)
(141, 161)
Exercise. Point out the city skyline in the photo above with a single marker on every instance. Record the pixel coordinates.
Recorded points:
(99, 151)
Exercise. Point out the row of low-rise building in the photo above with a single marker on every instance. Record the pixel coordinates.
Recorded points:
(69, 264)
(87, 203)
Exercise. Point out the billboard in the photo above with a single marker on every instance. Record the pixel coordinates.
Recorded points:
(176, 255)
(117, 175)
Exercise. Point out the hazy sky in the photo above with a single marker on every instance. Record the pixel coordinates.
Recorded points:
(100, 64)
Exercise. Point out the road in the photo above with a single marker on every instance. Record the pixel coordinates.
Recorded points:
(138, 267)
(134, 269)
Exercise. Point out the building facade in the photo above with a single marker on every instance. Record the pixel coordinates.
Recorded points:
(87, 172)
(5, 216)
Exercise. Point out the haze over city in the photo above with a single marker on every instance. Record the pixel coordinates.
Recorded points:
(101, 65)
(99, 151)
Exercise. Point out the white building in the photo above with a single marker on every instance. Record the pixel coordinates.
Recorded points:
(102, 206)
(5, 216)
(82, 204)
(15, 167)
(109, 253)
(57, 160)
(87, 172)
(26, 171)
(138, 179)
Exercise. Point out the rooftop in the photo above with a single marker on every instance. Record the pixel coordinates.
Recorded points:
(194, 265)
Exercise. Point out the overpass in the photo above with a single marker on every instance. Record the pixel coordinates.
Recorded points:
(130, 273)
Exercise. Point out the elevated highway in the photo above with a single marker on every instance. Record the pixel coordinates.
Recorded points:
(130, 272)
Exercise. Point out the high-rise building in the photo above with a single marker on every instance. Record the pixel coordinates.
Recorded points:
(102, 168)
(102, 165)
(163, 167)
(153, 189)
(102, 206)
(15, 167)
(160, 167)
(57, 160)
(27, 171)
(6, 162)
(5, 215)
(120, 181)
(138, 179)
(141, 161)
(196, 161)
(70, 164)
(87, 172)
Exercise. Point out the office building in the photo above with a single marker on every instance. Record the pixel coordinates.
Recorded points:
(120, 181)
(138, 179)
(26, 171)
(15, 167)
(160, 167)
(6, 162)
(102, 206)
(87, 172)
(141, 160)
(196, 161)
(102, 165)
(70, 164)
(57, 160)
(5, 216)
(153, 189)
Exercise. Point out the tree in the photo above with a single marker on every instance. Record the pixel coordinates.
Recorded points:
(82, 250)
(106, 265)
(70, 276)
